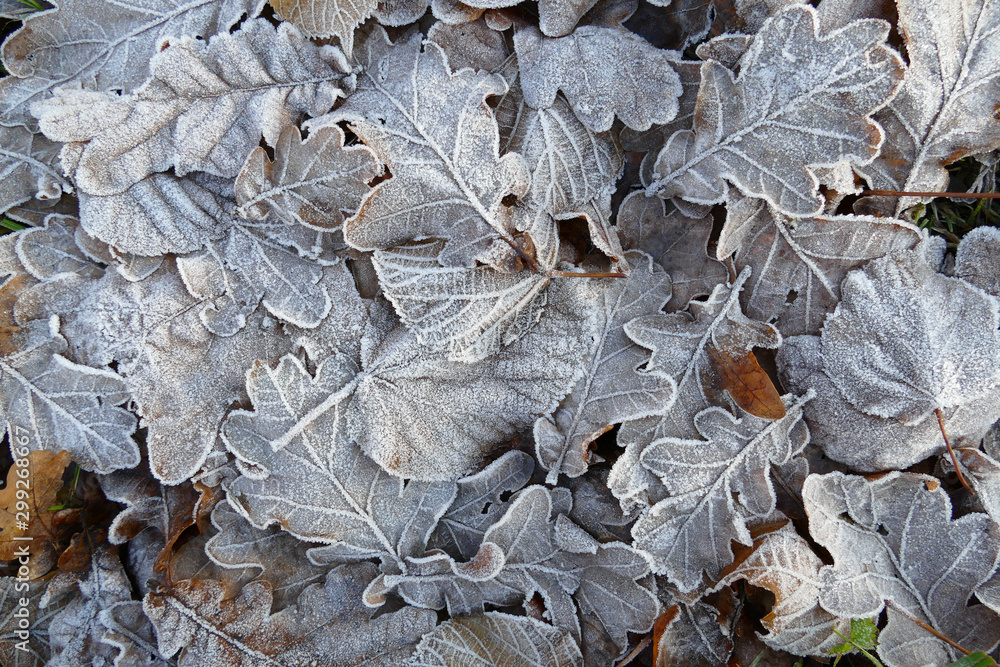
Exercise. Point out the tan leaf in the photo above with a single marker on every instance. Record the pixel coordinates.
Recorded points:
(40, 480)
(326, 18)
(748, 383)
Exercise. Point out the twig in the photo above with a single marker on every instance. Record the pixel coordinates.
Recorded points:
(646, 641)
(928, 628)
(957, 195)
(571, 274)
(951, 452)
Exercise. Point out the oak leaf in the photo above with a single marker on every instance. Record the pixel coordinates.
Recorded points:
(801, 99)
(327, 18)
(39, 486)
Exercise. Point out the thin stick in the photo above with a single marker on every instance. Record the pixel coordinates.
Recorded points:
(951, 452)
(929, 629)
(959, 195)
(646, 641)
(571, 274)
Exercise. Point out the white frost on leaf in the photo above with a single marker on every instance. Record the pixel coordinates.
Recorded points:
(893, 539)
(587, 65)
(890, 346)
(715, 485)
(204, 108)
(613, 389)
(51, 403)
(801, 99)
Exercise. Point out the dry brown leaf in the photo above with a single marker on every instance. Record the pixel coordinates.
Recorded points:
(25, 502)
(748, 383)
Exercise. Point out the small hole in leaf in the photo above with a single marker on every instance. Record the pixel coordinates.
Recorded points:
(792, 296)
(505, 496)
(509, 200)
(486, 508)
(882, 530)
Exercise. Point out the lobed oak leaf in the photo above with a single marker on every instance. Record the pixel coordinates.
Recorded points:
(494, 638)
(51, 403)
(783, 562)
(681, 345)
(203, 109)
(160, 214)
(468, 313)
(281, 559)
(690, 634)
(75, 631)
(946, 107)
(889, 347)
(893, 539)
(582, 65)
(801, 100)
(478, 504)
(400, 12)
(437, 136)
(128, 630)
(317, 182)
(528, 552)
(328, 624)
(612, 389)
(86, 42)
(676, 242)
(715, 485)
(799, 264)
(327, 18)
(29, 167)
(51, 249)
(301, 469)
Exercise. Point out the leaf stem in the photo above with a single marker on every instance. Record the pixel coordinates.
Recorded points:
(928, 628)
(957, 195)
(951, 452)
(640, 647)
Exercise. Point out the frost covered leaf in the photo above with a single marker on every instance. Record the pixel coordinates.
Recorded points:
(165, 511)
(327, 18)
(102, 47)
(677, 243)
(18, 9)
(160, 214)
(714, 486)
(612, 389)
(152, 329)
(893, 538)
(682, 346)
(587, 66)
(865, 442)
(494, 638)
(303, 471)
(29, 167)
(435, 132)
(317, 182)
(252, 265)
(798, 264)
(281, 558)
(690, 636)
(983, 473)
(328, 623)
(76, 631)
(128, 630)
(54, 404)
(528, 552)
(37, 648)
(478, 504)
(44, 475)
(946, 109)
(419, 415)
(783, 562)
(890, 346)
(801, 99)
(978, 259)
(468, 313)
(46, 251)
(203, 109)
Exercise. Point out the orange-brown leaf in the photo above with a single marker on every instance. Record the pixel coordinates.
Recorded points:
(748, 384)
(39, 489)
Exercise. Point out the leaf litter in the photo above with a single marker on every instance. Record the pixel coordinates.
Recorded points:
(443, 333)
